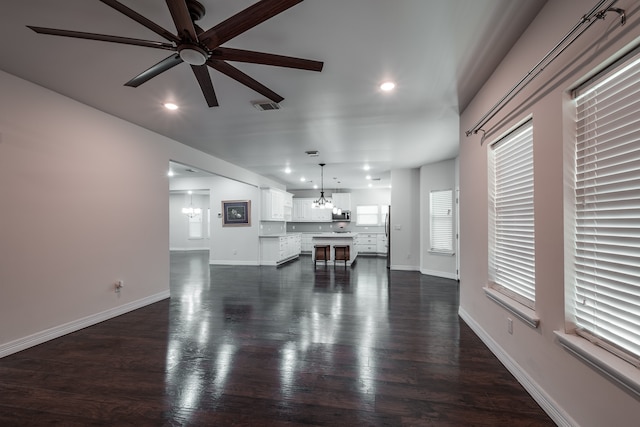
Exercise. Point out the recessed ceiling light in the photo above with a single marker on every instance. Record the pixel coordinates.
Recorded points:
(315, 186)
(370, 185)
(368, 177)
(170, 173)
(366, 167)
(287, 170)
(387, 86)
(170, 106)
(303, 179)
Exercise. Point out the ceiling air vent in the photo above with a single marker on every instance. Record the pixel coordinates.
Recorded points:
(266, 105)
(312, 153)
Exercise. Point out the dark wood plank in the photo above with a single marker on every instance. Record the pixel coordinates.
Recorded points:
(272, 346)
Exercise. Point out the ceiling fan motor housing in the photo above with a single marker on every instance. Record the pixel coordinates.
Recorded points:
(193, 54)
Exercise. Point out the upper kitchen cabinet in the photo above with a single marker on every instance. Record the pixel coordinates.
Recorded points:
(303, 212)
(277, 205)
(342, 201)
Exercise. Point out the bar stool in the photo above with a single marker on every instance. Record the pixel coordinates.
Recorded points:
(341, 253)
(322, 253)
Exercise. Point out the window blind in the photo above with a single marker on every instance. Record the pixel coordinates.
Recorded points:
(511, 254)
(441, 207)
(606, 294)
(367, 215)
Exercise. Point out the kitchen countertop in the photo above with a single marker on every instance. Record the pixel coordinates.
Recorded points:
(334, 235)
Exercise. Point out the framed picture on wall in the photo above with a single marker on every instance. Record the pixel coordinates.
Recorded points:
(236, 213)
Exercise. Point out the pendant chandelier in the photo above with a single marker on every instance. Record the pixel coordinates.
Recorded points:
(322, 202)
(190, 211)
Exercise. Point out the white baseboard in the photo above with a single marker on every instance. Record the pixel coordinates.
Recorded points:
(232, 262)
(555, 411)
(443, 274)
(188, 249)
(405, 267)
(48, 334)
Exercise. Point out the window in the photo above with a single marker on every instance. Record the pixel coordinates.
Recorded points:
(511, 226)
(367, 215)
(195, 225)
(604, 281)
(441, 221)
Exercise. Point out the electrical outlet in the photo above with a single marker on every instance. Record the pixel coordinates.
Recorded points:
(118, 286)
(510, 325)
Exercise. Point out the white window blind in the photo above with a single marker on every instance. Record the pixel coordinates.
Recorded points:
(367, 215)
(511, 222)
(606, 282)
(441, 220)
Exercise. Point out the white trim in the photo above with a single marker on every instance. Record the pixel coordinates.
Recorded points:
(444, 274)
(526, 314)
(232, 262)
(404, 267)
(442, 253)
(280, 262)
(75, 325)
(614, 368)
(189, 249)
(550, 406)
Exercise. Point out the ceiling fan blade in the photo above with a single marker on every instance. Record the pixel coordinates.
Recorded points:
(239, 55)
(182, 19)
(141, 20)
(204, 79)
(244, 20)
(102, 37)
(241, 77)
(157, 69)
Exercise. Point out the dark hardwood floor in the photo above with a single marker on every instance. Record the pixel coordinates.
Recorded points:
(265, 346)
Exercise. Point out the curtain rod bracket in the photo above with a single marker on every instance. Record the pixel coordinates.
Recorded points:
(603, 13)
(621, 12)
(599, 11)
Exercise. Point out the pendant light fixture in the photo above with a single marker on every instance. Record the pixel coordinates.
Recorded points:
(322, 203)
(190, 211)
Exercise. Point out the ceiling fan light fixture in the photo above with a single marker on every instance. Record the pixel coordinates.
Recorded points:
(192, 54)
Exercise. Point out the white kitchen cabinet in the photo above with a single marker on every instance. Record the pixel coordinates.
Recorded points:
(304, 212)
(273, 204)
(367, 243)
(342, 201)
(275, 250)
(301, 210)
(321, 215)
(288, 206)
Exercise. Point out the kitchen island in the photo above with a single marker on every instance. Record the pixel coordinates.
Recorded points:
(333, 239)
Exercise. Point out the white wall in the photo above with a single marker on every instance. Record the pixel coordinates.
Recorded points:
(229, 245)
(436, 176)
(84, 203)
(405, 219)
(572, 392)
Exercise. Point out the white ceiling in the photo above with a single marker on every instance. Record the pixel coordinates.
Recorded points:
(438, 52)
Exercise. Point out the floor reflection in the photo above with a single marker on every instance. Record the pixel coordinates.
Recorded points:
(301, 318)
(288, 327)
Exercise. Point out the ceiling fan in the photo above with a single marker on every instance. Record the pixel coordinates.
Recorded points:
(200, 48)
